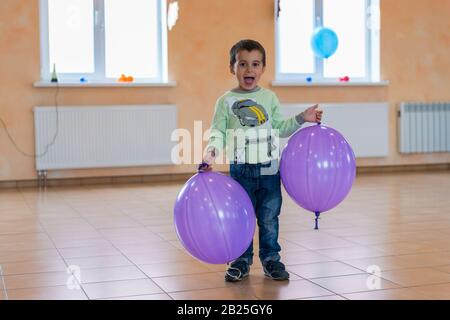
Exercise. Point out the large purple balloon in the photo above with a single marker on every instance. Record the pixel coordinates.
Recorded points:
(317, 168)
(214, 218)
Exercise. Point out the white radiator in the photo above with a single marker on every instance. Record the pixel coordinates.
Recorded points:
(424, 127)
(364, 125)
(104, 136)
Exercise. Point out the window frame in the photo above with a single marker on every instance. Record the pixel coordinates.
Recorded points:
(99, 74)
(372, 59)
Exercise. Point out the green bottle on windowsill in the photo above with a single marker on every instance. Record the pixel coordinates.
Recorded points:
(54, 76)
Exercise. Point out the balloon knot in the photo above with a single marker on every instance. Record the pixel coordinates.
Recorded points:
(317, 221)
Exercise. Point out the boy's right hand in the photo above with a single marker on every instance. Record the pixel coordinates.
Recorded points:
(207, 162)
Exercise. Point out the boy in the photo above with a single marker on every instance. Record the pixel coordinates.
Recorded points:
(245, 120)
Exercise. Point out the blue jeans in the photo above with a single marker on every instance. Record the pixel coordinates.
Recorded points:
(264, 191)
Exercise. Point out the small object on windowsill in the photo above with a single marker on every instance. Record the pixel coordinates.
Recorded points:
(344, 79)
(309, 79)
(124, 78)
(83, 80)
(54, 75)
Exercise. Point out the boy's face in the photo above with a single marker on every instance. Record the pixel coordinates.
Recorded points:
(248, 68)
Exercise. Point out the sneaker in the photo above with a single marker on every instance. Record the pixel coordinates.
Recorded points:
(275, 270)
(237, 271)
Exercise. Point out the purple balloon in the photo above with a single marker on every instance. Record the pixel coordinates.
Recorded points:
(214, 218)
(317, 168)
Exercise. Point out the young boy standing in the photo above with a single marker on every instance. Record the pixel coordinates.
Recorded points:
(245, 121)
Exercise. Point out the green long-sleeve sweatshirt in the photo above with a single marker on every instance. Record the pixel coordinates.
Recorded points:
(248, 124)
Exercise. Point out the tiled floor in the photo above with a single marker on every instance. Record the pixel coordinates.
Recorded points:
(390, 239)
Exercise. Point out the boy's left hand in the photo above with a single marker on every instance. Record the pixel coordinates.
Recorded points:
(313, 114)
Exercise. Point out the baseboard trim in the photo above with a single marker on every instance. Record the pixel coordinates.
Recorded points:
(404, 168)
(96, 180)
(181, 177)
(64, 182)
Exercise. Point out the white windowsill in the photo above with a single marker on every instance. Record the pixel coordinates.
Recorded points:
(285, 83)
(48, 84)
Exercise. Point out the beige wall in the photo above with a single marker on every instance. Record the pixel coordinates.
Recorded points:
(415, 59)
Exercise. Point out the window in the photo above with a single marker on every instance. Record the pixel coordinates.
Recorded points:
(357, 24)
(100, 40)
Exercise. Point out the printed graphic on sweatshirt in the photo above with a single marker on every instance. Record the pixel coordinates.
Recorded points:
(249, 113)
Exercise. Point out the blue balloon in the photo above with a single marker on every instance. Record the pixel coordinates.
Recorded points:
(324, 42)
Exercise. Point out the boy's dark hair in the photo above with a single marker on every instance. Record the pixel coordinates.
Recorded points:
(248, 45)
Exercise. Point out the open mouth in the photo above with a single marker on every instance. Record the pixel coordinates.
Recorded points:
(249, 80)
